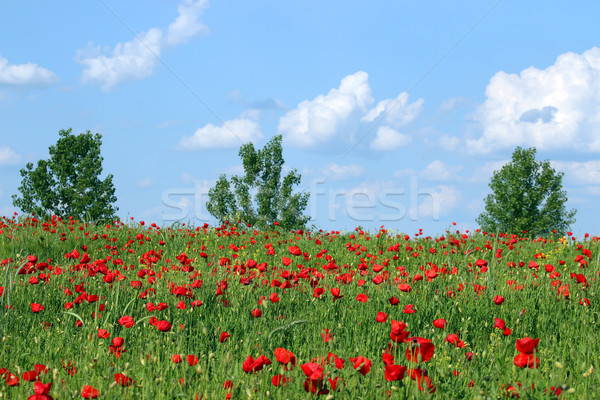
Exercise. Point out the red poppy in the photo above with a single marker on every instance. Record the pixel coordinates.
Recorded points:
(103, 334)
(118, 341)
(30, 376)
(176, 358)
(279, 380)
(163, 326)
(398, 333)
(192, 360)
(285, 357)
(455, 340)
(394, 372)
(224, 336)
(41, 391)
(313, 371)
(419, 346)
(394, 301)
(326, 335)
(381, 317)
(335, 292)
(362, 297)
(409, 309)
(123, 380)
(405, 287)
(523, 360)
(362, 364)
(295, 250)
(274, 298)
(499, 323)
(440, 323)
(36, 308)
(252, 365)
(339, 362)
(256, 313)
(89, 392)
(126, 321)
(527, 345)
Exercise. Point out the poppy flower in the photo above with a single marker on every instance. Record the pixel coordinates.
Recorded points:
(418, 346)
(527, 345)
(224, 336)
(274, 298)
(326, 335)
(192, 360)
(41, 391)
(338, 362)
(256, 313)
(409, 309)
(455, 340)
(499, 323)
(381, 317)
(362, 297)
(285, 357)
(279, 380)
(36, 308)
(176, 358)
(362, 364)
(118, 341)
(318, 292)
(394, 301)
(398, 333)
(498, 300)
(440, 323)
(123, 380)
(163, 326)
(523, 360)
(313, 371)
(126, 321)
(405, 287)
(295, 250)
(335, 292)
(89, 392)
(29, 376)
(394, 372)
(255, 365)
(103, 334)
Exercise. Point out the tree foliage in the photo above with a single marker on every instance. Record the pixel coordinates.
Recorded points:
(260, 197)
(527, 195)
(68, 183)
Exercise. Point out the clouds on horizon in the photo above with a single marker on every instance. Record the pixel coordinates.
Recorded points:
(28, 74)
(550, 109)
(137, 58)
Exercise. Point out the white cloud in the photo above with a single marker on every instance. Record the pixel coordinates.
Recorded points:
(388, 139)
(136, 59)
(395, 112)
(188, 24)
(453, 103)
(584, 173)
(25, 74)
(146, 182)
(8, 156)
(314, 122)
(484, 172)
(554, 108)
(449, 143)
(440, 171)
(232, 134)
(436, 202)
(339, 172)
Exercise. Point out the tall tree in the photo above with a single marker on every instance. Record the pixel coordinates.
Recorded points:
(527, 195)
(260, 197)
(68, 184)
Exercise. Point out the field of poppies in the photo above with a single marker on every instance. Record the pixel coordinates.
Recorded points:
(135, 311)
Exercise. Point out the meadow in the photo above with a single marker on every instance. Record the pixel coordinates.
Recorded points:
(132, 310)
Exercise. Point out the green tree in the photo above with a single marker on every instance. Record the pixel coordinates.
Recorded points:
(260, 197)
(527, 196)
(68, 184)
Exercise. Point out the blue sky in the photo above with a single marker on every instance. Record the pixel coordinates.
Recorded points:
(395, 113)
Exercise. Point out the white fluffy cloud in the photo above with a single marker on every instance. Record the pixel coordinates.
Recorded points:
(316, 121)
(395, 112)
(136, 59)
(435, 203)
(583, 173)
(25, 74)
(440, 171)
(232, 134)
(388, 139)
(339, 172)
(8, 156)
(554, 108)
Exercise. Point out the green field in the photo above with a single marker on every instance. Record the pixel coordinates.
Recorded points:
(138, 311)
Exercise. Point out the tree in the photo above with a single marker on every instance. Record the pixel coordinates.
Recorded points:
(68, 184)
(260, 197)
(526, 196)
